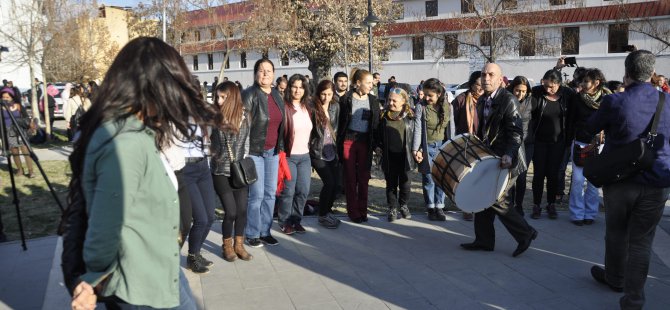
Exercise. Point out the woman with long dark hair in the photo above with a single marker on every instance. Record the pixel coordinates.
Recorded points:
(323, 149)
(230, 142)
(359, 119)
(131, 251)
(266, 114)
(547, 130)
(584, 199)
(520, 88)
(296, 144)
(432, 117)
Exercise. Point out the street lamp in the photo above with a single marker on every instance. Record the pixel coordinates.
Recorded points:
(371, 20)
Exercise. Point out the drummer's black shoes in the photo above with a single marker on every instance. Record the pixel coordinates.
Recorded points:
(523, 246)
(598, 274)
(474, 246)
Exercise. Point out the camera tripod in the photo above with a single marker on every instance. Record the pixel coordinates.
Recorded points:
(6, 153)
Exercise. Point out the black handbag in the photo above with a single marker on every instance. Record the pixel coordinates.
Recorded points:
(625, 161)
(243, 171)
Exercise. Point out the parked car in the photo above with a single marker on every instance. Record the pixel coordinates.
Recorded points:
(458, 89)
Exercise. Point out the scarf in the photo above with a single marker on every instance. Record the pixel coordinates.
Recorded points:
(593, 101)
(394, 115)
(471, 111)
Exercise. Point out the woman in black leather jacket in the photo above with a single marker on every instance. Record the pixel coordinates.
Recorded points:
(266, 113)
(230, 143)
(358, 120)
(547, 130)
(323, 149)
(520, 88)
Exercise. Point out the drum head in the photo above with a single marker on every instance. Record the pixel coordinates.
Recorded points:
(481, 187)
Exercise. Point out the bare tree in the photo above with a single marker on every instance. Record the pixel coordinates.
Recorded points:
(493, 28)
(316, 30)
(222, 24)
(642, 18)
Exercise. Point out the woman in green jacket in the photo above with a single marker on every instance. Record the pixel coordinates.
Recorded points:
(130, 250)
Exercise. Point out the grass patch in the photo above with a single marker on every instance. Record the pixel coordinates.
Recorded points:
(39, 210)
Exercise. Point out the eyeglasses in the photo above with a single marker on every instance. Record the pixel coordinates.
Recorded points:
(397, 91)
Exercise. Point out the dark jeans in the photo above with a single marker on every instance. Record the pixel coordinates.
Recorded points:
(357, 176)
(519, 190)
(234, 202)
(633, 211)
(397, 177)
(185, 212)
(517, 226)
(546, 163)
(329, 173)
(198, 181)
(562, 168)
(294, 196)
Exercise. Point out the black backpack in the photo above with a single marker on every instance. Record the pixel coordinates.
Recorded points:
(73, 226)
(74, 120)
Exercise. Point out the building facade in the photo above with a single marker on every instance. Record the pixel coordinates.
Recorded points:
(449, 39)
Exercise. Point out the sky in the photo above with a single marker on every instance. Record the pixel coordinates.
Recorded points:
(122, 3)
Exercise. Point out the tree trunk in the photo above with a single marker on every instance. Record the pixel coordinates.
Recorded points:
(320, 70)
(34, 107)
(47, 117)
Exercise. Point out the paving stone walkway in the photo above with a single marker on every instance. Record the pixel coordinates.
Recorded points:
(408, 264)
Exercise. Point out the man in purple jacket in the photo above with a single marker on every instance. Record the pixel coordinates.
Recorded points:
(635, 205)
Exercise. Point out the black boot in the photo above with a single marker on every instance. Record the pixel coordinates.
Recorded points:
(439, 215)
(404, 211)
(195, 265)
(392, 214)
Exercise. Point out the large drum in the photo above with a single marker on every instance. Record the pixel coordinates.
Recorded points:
(469, 173)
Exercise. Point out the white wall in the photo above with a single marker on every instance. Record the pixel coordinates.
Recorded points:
(10, 69)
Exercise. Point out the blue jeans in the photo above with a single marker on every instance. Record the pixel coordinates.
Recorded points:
(583, 201)
(433, 196)
(198, 181)
(293, 197)
(262, 195)
(186, 301)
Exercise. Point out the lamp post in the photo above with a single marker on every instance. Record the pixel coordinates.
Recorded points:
(371, 20)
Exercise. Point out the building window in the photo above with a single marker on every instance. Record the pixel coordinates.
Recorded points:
(557, 2)
(398, 10)
(212, 33)
(210, 62)
(485, 38)
(527, 42)
(243, 60)
(431, 8)
(265, 55)
(196, 35)
(617, 38)
(195, 62)
(570, 41)
(227, 58)
(102, 12)
(284, 59)
(509, 4)
(417, 48)
(467, 6)
(451, 46)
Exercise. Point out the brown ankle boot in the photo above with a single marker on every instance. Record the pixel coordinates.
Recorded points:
(228, 252)
(239, 249)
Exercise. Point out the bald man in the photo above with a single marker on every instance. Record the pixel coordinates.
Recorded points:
(500, 128)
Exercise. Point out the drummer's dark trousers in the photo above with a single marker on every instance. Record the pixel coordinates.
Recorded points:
(517, 226)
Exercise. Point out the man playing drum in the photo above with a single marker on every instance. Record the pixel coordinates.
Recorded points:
(500, 129)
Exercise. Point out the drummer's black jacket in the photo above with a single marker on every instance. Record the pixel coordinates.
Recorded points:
(502, 131)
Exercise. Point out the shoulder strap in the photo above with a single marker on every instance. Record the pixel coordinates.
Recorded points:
(657, 116)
